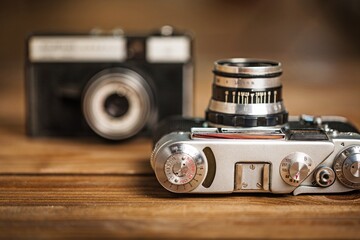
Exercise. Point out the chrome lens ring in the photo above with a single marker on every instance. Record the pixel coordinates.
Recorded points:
(247, 67)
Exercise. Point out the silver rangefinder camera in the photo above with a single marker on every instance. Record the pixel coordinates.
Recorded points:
(247, 143)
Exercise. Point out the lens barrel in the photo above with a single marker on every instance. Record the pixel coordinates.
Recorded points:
(246, 93)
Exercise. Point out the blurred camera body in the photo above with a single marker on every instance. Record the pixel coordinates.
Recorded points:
(247, 143)
(107, 84)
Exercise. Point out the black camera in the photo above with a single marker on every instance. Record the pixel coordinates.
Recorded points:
(107, 84)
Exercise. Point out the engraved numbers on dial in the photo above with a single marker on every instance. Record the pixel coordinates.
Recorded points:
(184, 169)
(180, 169)
(295, 168)
(347, 167)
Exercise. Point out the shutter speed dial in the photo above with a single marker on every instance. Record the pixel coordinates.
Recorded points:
(295, 168)
(347, 167)
(183, 168)
(180, 169)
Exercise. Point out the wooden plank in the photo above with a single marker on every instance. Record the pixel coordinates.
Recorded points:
(74, 156)
(136, 206)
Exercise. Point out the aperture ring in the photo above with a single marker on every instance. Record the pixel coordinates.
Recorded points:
(247, 96)
(246, 109)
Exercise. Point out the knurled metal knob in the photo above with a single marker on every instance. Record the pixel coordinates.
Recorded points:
(180, 167)
(324, 176)
(347, 167)
(295, 168)
(299, 170)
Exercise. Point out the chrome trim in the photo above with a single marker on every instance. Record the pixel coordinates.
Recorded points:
(248, 83)
(229, 66)
(343, 165)
(257, 179)
(246, 109)
(316, 190)
(73, 48)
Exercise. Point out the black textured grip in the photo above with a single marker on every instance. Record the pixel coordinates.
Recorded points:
(246, 120)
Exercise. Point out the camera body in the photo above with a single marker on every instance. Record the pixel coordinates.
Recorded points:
(106, 84)
(247, 142)
(299, 157)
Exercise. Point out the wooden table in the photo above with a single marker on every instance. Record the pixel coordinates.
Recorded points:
(76, 188)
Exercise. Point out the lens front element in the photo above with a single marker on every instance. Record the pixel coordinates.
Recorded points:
(116, 105)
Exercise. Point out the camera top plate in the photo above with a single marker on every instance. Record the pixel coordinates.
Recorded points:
(238, 133)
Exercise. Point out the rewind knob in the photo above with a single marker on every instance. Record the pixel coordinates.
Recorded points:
(295, 167)
(180, 167)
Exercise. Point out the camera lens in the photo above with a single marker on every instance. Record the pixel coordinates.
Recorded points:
(246, 93)
(118, 103)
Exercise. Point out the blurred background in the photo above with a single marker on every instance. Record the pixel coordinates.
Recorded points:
(316, 41)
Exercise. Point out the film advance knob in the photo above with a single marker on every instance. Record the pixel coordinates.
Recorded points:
(180, 168)
(295, 168)
(347, 167)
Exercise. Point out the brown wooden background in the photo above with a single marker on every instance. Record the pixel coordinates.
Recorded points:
(83, 188)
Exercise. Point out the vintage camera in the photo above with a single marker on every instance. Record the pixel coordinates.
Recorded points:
(106, 84)
(247, 143)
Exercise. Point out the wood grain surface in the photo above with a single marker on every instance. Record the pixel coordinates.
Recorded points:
(84, 188)
(87, 189)
(106, 206)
